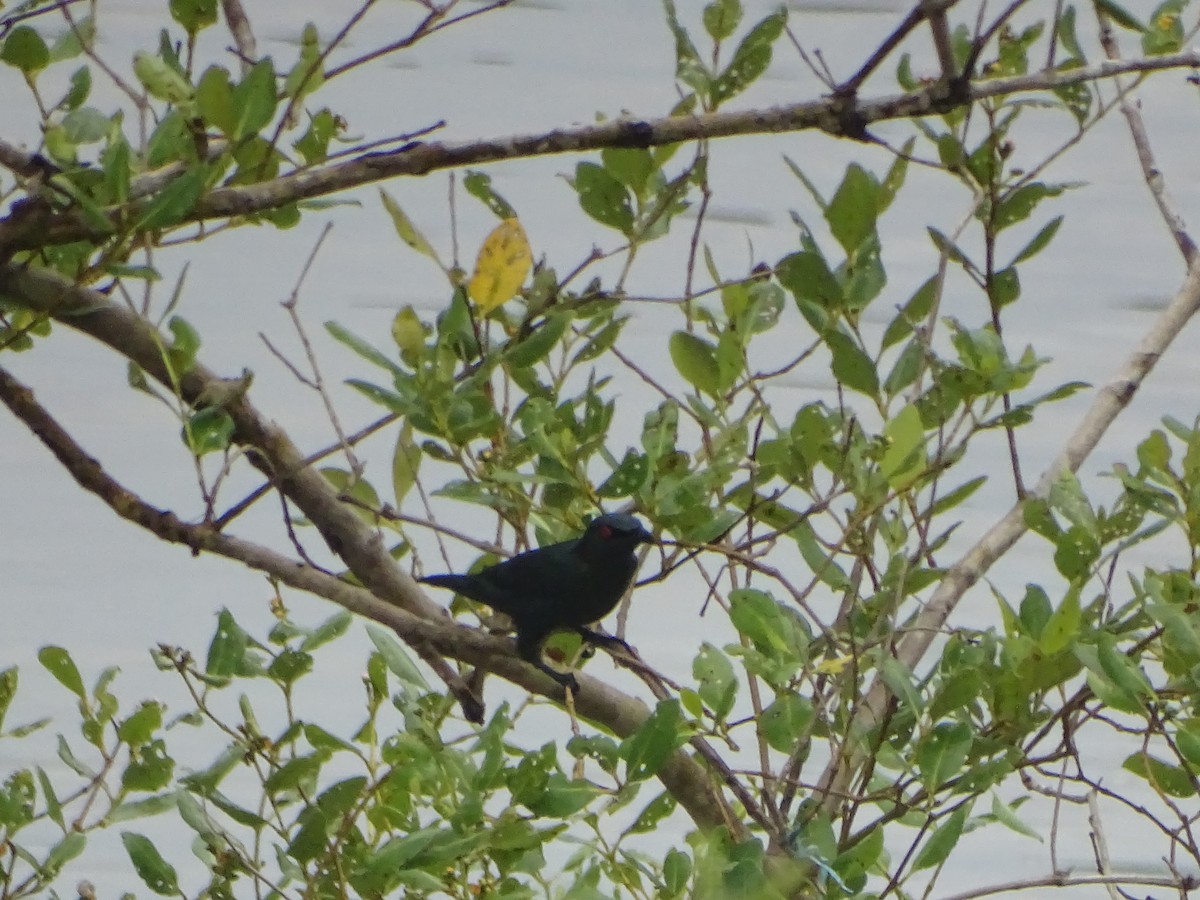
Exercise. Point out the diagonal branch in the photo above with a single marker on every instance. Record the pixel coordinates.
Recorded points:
(1109, 403)
(403, 608)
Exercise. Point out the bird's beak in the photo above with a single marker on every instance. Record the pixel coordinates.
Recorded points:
(645, 537)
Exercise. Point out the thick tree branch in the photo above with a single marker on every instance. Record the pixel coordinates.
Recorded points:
(398, 602)
(840, 115)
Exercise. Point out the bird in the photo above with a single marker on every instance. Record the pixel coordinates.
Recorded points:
(560, 587)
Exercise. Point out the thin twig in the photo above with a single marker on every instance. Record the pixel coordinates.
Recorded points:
(241, 32)
(1145, 154)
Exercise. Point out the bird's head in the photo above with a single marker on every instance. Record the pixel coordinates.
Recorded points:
(616, 531)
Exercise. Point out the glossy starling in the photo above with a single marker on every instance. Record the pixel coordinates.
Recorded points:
(561, 587)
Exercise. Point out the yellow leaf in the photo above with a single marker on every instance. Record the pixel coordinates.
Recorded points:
(833, 666)
(504, 261)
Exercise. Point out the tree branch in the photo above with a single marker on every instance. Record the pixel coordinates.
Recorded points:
(1109, 403)
(391, 597)
(840, 115)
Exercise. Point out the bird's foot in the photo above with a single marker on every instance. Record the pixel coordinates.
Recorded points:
(566, 679)
(606, 640)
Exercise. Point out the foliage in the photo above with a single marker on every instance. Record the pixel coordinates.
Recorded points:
(845, 751)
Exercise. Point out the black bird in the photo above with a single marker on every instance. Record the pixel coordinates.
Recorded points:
(561, 587)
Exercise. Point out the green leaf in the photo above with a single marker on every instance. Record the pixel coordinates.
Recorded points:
(58, 663)
(227, 648)
(1164, 33)
(1181, 637)
(603, 197)
(214, 99)
(721, 18)
(63, 852)
(524, 352)
(81, 88)
(786, 720)
(1164, 777)
(365, 350)
(1062, 628)
(659, 736)
(333, 627)
(306, 75)
(149, 769)
(313, 145)
(696, 360)
(209, 430)
(254, 100)
(1187, 739)
(24, 49)
(1069, 500)
(914, 312)
(944, 839)
(397, 659)
(155, 872)
(194, 15)
(53, 806)
(406, 463)
(807, 277)
(140, 727)
(819, 561)
(128, 810)
(302, 770)
(904, 459)
(1005, 287)
(290, 665)
(632, 166)
(718, 684)
(1007, 816)
(563, 797)
(1119, 15)
(600, 342)
(1018, 205)
(899, 681)
(399, 852)
(86, 125)
(628, 478)
(909, 365)
(172, 204)
(851, 366)
(1122, 670)
(72, 761)
(8, 690)
(751, 58)
(942, 754)
(1039, 242)
(950, 249)
(72, 41)
(479, 186)
(689, 69)
(853, 208)
(161, 79)
(339, 798)
(405, 229)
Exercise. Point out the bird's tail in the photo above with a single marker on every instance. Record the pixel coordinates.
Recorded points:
(457, 583)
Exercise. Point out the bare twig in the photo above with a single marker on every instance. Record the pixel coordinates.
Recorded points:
(243, 35)
(1145, 154)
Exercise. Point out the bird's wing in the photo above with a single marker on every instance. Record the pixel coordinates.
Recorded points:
(531, 581)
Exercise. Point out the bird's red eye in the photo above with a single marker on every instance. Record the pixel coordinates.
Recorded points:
(606, 531)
